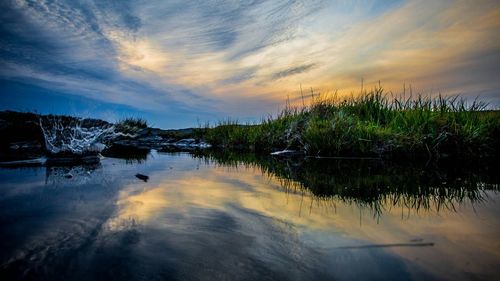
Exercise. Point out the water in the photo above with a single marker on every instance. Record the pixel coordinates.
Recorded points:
(77, 136)
(226, 217)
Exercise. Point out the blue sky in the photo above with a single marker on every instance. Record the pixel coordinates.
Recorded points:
(180, 63)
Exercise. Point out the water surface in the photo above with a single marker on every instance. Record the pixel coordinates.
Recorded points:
(216, 218)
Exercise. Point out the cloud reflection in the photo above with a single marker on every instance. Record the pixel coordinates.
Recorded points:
(458, 236)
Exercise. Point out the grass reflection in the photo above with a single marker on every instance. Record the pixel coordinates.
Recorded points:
(373, 183)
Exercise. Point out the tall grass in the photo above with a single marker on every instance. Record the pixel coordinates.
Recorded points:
(371, 124)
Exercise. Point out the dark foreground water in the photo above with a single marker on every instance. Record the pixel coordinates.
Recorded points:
(217, 218)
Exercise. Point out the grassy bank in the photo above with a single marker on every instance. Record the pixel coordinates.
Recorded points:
(372, 124)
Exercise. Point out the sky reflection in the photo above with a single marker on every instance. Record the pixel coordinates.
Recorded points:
(199, 220)
(464, 241)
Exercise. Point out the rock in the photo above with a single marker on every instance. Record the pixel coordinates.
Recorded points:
(126, 150)
(142, 177)
(203, 145)
(154, 141)
(190, 143)
(150, 139)
(168, 141)
(148, 142)
(143, 132)
(68, 175)
(185, 142)
(148, 132)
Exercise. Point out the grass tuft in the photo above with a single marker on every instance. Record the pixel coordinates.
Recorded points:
(131, 125)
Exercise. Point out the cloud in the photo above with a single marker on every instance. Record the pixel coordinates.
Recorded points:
(219, 57)
(430, 45)
(292, 71)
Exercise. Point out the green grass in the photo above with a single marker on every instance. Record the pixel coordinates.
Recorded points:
(372, 124)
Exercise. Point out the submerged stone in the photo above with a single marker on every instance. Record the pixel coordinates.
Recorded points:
(142, 177)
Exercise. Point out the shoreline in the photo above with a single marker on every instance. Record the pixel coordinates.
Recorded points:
(368, 126)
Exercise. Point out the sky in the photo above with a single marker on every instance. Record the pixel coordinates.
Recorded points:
(181, 63)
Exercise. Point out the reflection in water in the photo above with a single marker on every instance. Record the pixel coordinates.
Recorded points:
(374, 183)
(130, 153)
(223, 217)
(78, 175)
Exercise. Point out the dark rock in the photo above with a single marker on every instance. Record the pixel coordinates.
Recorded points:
(148, 132)
(127, 151)
(145, 142)
(185, 142)
(22, 137)
(142, 177)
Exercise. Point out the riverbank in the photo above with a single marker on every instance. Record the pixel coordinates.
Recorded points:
(67, 140)
(372, 125)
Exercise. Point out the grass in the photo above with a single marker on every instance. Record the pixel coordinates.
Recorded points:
(131, 125)
(372, 124)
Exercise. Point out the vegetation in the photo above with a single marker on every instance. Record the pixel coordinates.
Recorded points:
(131, 125)
(179, 134)
(372, 124)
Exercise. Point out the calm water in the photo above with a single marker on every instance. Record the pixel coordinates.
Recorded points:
(200, 218)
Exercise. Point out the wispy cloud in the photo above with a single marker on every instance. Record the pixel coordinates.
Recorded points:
(292, 71)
